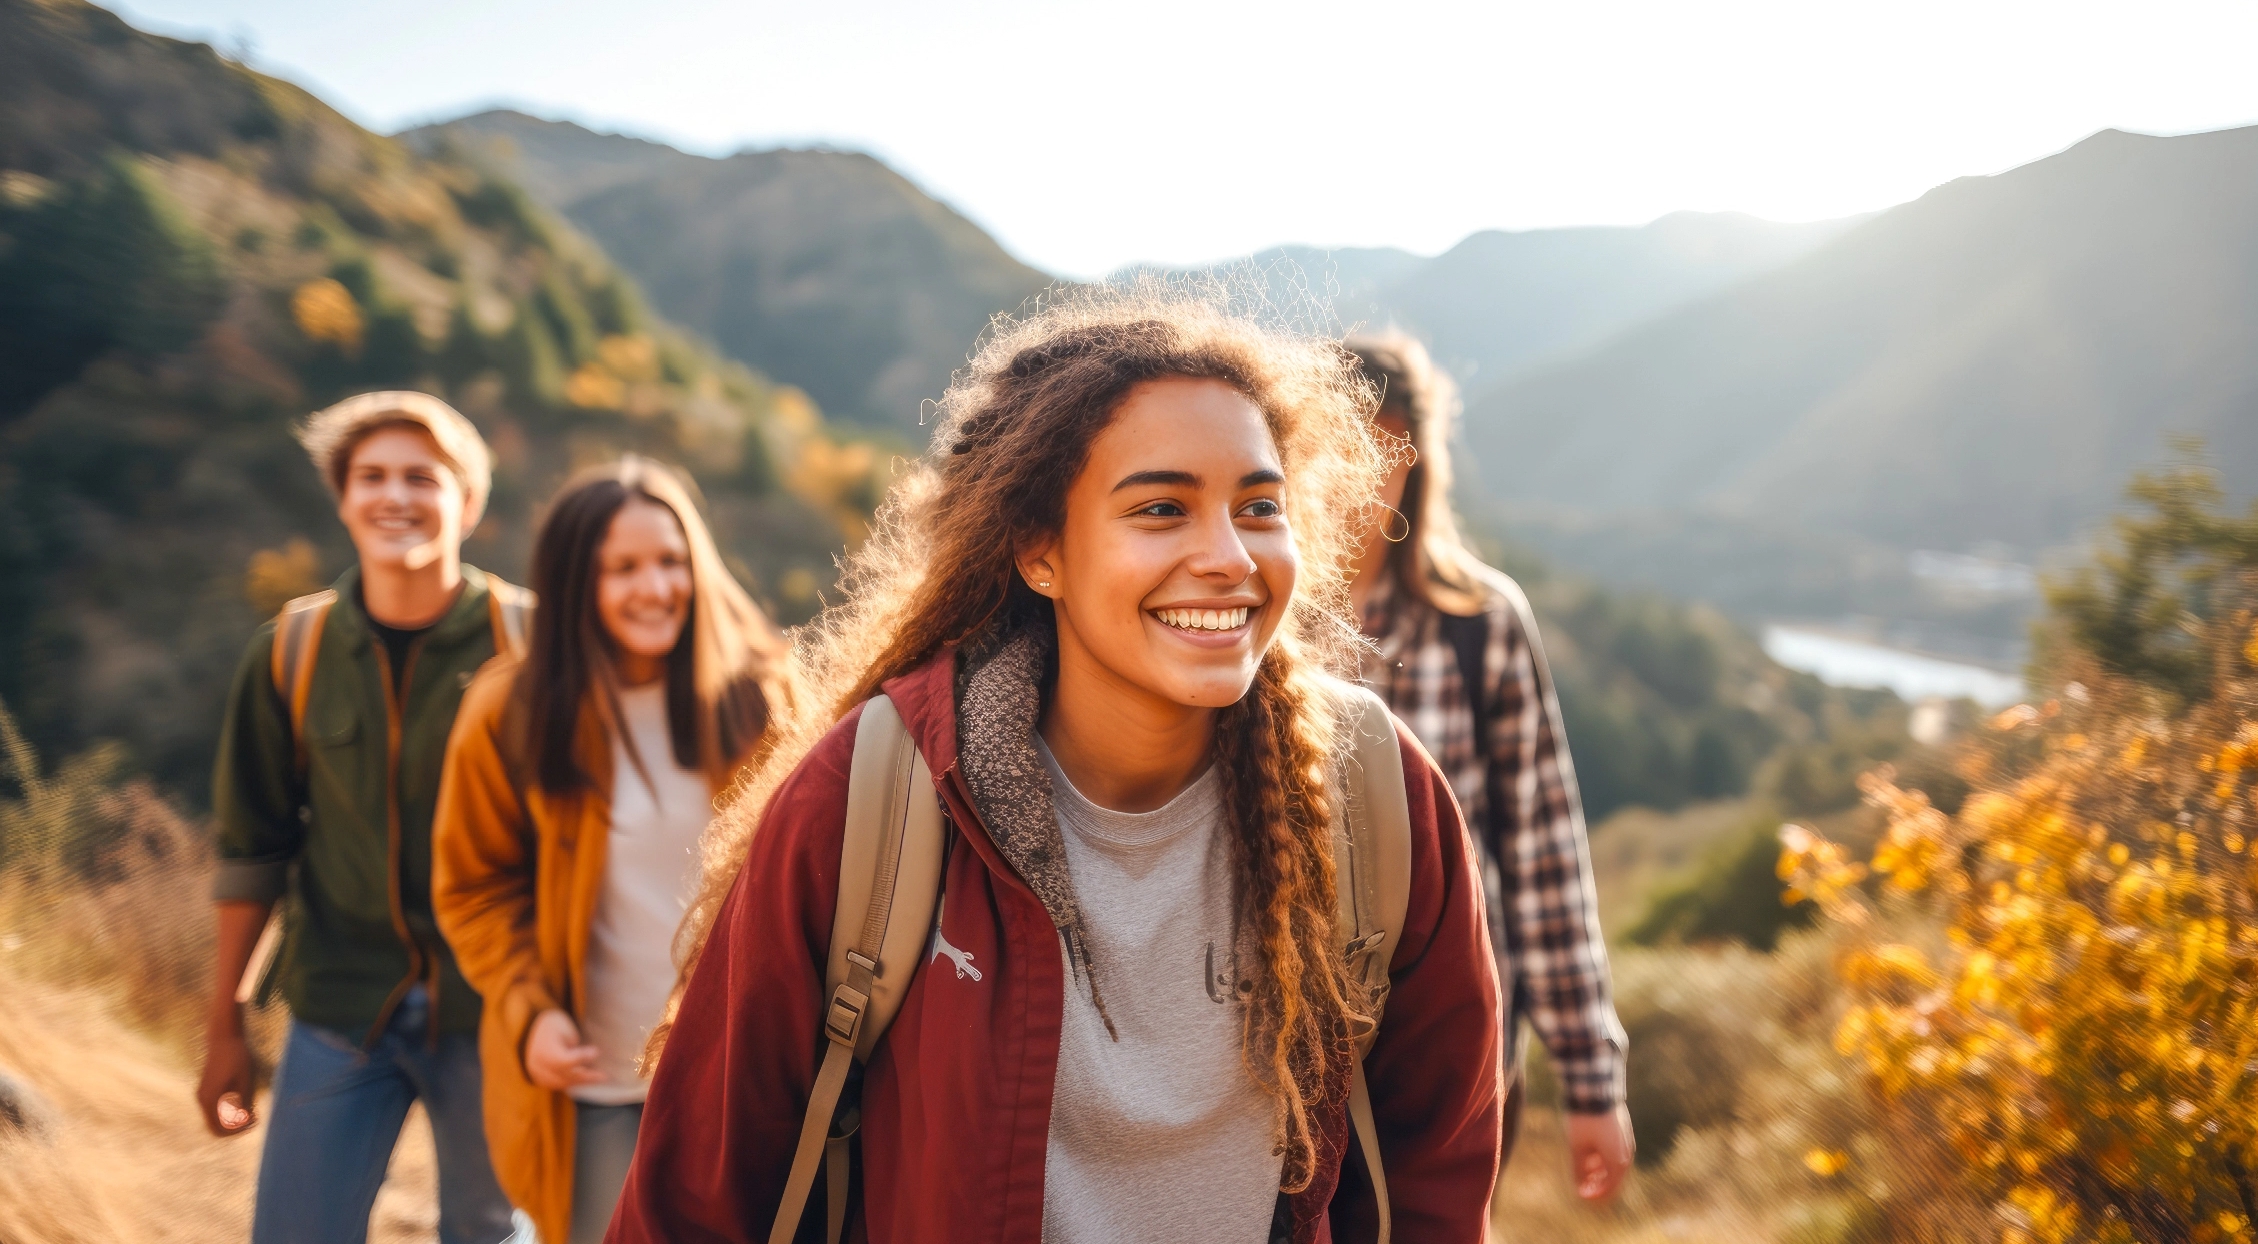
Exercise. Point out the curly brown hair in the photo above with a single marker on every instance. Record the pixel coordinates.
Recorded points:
(938, 572)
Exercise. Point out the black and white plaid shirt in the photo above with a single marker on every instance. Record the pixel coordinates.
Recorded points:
(1544, 916)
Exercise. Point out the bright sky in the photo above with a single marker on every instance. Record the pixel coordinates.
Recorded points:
(1087, 136)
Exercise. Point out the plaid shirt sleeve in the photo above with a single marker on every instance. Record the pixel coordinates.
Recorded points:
(1558, 955)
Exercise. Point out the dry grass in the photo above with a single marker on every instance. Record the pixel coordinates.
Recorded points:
(118, 1152)
(115, 1150)
(105, 963)
(1537, 1204)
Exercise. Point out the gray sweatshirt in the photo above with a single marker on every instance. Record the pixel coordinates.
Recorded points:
(1162, 1135)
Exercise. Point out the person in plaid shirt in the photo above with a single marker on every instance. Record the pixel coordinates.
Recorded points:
(1455, 653)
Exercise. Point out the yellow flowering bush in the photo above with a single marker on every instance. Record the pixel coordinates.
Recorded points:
(2087, 1042)
(278, 576)
(623, 364)
(2083, 1037)
(2080, 1036)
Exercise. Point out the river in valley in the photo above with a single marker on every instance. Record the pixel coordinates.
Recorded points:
(1848, 662)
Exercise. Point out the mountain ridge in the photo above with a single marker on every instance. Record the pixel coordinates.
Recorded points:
(825, 268)
(1499, 301)
(2009, 343)
(1979, 370)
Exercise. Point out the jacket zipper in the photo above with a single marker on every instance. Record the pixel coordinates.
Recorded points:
(394, 712)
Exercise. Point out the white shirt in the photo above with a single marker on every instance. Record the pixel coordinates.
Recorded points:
(650, 872)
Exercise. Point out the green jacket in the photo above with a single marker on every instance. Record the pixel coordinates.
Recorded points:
(346, 846)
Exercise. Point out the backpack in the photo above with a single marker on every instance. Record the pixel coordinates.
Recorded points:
(297, 644)
(1469, 639)
(889, 895)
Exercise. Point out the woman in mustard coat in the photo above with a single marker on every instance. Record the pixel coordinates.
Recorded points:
(578, 782)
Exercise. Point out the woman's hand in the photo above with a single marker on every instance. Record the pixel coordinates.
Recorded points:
(555, 1056)
(1599, 1151)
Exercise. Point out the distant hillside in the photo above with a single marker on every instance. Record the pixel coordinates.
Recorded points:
(1983, 366)
(192, 257)
(1308, 285)
(1500, 301)
(825, 269)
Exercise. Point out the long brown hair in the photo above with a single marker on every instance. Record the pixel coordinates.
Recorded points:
(1015, 431)
(1430, 562)
(728, 673)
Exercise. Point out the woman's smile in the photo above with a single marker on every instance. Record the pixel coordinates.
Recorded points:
(1207, 627)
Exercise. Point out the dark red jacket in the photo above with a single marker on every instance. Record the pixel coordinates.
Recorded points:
(957, 1098)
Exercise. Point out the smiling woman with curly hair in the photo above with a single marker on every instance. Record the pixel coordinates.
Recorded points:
(1108, 606)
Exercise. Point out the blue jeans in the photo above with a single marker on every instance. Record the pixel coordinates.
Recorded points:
(333, 1119)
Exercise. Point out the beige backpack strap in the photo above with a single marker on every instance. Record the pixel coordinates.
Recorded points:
(889, 886)
(511, 608)
(1372, 869)
(297, 641)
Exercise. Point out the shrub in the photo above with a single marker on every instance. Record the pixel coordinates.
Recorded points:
(1687, 1072)
(501, 206)
(1734, 895)
(2081, 1043)
(2182, 562)
(104, 885)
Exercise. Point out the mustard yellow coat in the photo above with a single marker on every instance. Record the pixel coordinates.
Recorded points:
(515, 879)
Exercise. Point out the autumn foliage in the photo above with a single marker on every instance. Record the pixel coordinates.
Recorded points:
(2055, 990)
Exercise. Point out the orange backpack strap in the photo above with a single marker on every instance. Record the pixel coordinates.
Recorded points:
(511, 608)
(297, 642)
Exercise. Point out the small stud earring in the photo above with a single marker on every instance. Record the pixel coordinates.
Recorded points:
(1042, 583)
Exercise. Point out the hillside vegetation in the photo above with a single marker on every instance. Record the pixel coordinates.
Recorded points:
(180, 293)
(192, 257)
(825, 269)
(2047, 987)
(1669, 704)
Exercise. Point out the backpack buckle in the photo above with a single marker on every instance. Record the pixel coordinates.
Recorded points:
(843, 1022)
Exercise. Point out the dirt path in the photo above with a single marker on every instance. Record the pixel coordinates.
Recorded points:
(112, 1148)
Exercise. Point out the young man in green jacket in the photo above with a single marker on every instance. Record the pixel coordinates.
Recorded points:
(328, 773)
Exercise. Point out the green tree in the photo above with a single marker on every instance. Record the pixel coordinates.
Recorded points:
(2140, 611)
(107, 263)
